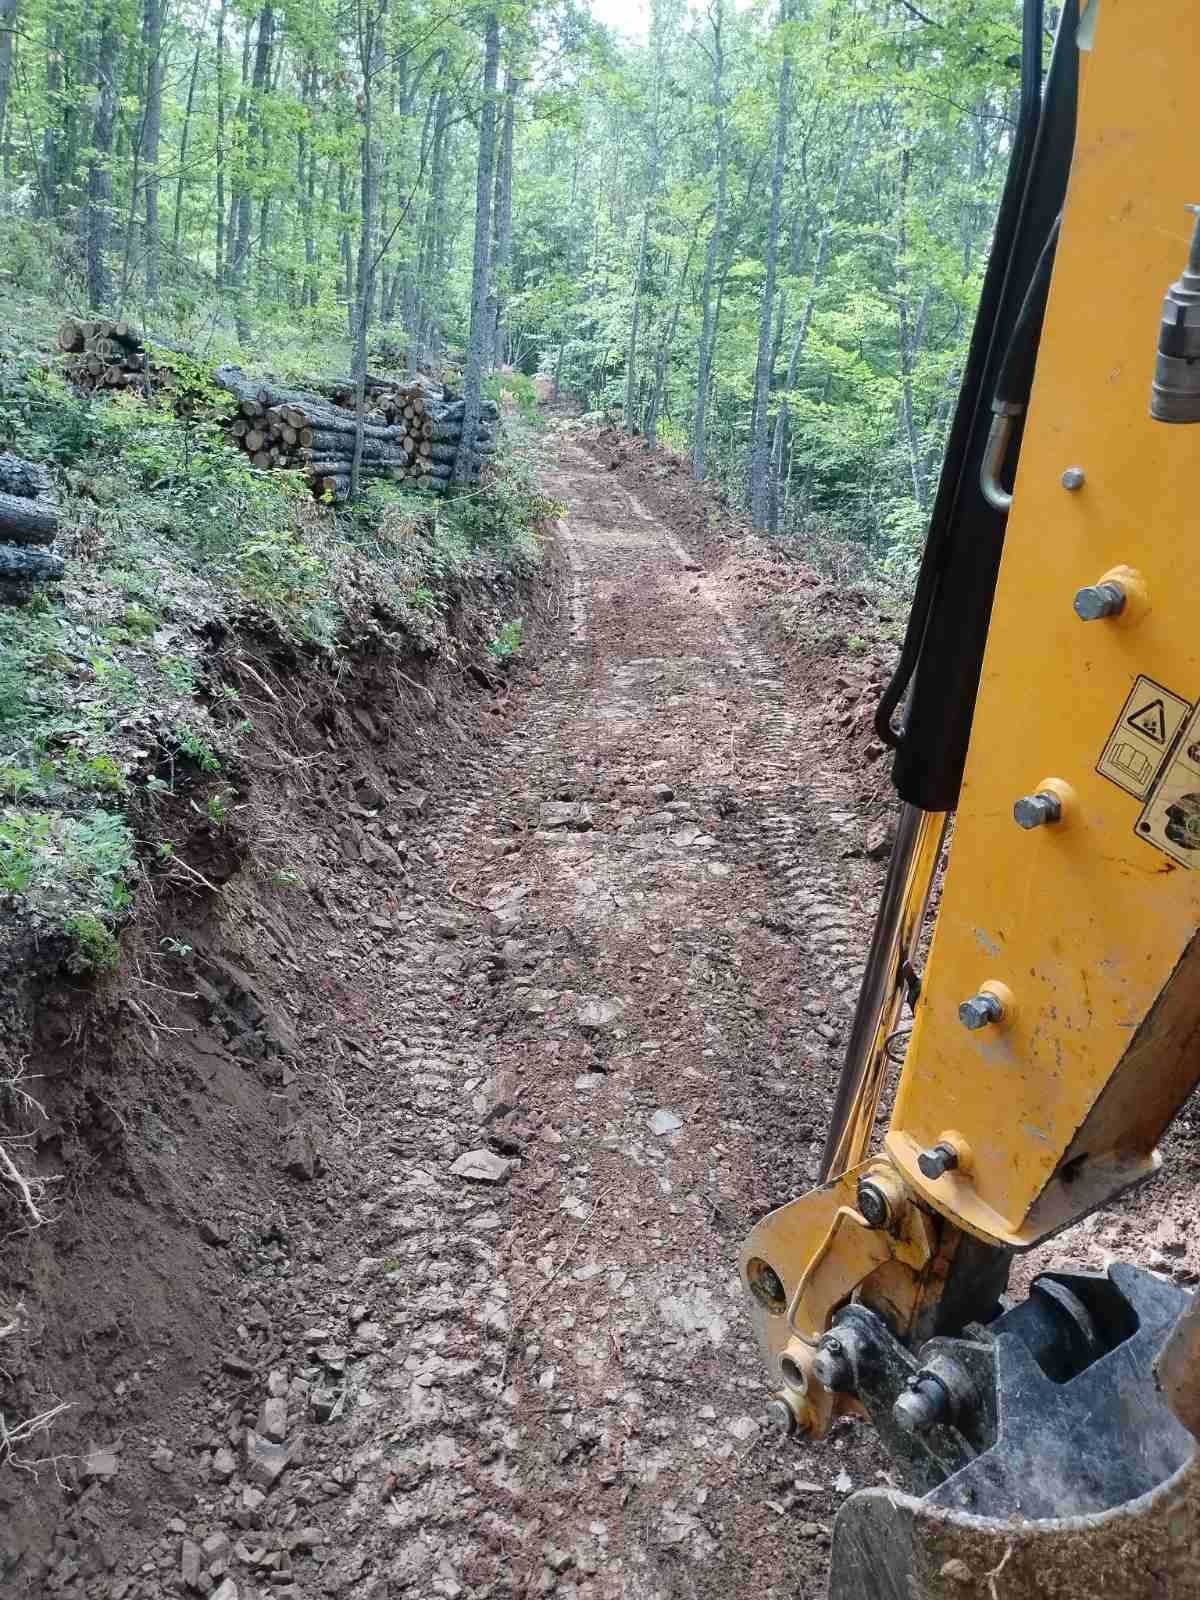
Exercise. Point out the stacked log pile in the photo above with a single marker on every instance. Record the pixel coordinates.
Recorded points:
(103, 354)
(28, 525)
(411, 435)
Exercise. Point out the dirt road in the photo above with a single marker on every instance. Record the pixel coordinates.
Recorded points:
(499, 1347)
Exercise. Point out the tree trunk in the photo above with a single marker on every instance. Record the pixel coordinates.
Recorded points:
(779, 445)
(51, 155)
(661, 356)
(100, 183)
(370, 59)
(504, 218)
(430, 254)
(152, 29)
(760, 465)
(220, 150)
(8, 24)
(306, 179)
(631, 354)
(244, 211)
(481, 315)
(909, 340)
(181, 178)
(708, 327)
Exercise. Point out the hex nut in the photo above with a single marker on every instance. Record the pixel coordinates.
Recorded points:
(938, 1161)
(980, 1011)
(1099, 600)
(780, 1416)
(873, 1204)
(1035, 810)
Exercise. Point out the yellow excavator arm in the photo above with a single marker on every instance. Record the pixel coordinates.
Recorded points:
(1045, 1447)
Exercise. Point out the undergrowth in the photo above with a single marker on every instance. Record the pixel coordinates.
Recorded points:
(109, 702)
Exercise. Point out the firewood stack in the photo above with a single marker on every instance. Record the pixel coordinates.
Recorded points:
(103, 354)
(28, 525)
(415, 440)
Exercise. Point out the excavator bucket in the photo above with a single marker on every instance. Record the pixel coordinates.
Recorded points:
(1092, 1488)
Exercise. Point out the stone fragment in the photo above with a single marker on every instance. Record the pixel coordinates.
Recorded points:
(191, 1564)
(663, 1122)
(265, 1459)
(564, 814)
(595, 1015)
(227, 1591)
(498, 1095)
(272, 1419)
(482, 1166)
(224, 1464)
(301, 1159)
(216, 1547)
(879, 840)
(100, 1464)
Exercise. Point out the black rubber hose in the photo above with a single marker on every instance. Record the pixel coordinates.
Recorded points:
(1007, 226)
(1015, 379)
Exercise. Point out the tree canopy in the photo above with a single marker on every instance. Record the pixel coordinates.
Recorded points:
(757, 234)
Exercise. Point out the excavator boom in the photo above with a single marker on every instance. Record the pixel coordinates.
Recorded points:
(1049, 697)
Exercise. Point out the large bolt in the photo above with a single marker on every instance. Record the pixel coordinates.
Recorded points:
(938, 1161)
(1099, 600)
(1074, 478)
(873, 1204)
(780, 1416)
(831, 1365)
(1035, 810)
(925, 1401)
(979, 1012)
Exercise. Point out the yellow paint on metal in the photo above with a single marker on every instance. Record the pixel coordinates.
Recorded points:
(1082, 920)
(823, 1251)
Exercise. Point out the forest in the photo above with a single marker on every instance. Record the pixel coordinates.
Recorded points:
(753, 233)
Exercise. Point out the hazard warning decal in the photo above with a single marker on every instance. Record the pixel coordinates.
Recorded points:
(1170, 819)
(1142, 737)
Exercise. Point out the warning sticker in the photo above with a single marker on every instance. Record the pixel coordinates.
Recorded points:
(1170, 819)
(1145, 731)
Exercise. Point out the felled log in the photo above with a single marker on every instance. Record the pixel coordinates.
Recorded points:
(27, 520)
(21, 565)
(20, 477)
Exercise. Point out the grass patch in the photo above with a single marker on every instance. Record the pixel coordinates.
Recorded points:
(109, 697)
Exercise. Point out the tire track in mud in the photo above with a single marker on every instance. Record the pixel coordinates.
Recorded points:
(622, 994)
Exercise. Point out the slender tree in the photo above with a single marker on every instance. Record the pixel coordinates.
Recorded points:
(760, 470)
(100, 176)
(479, 345)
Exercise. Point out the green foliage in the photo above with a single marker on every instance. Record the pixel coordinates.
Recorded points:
(69, 874)
(509, 640)
(512, 509)
(95, 950)
(197, 750)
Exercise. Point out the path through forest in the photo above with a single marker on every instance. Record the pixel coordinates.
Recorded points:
(507, 1352)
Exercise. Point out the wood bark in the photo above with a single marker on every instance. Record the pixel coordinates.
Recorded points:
(21, 566)
(8, 24)
(184, 136)
(243, 211)
(98, 213)
(152, 44)
(27, 521)
(760, 466)
(708, 326)
(909, 338)
(481, 325)
(220, 146)
(371, 19)
(503, 211)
